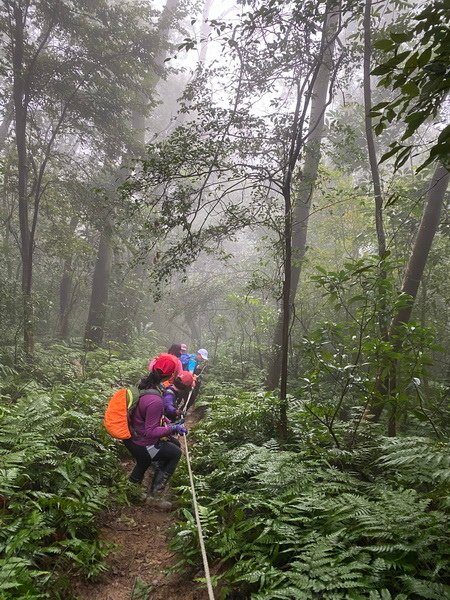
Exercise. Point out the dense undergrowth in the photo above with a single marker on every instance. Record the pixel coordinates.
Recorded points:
(307, 520)
(58, 470)
(310, 521)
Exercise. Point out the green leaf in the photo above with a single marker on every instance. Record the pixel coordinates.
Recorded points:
(424, 58)
(379, 106)
(444, 135)
(399, 38)
(381, 70)
(410, 89)
(384, 44)
(397, 59)
(396, 148)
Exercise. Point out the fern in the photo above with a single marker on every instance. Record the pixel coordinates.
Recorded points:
(312, 522)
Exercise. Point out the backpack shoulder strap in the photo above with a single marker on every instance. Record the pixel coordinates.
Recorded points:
(153, 391)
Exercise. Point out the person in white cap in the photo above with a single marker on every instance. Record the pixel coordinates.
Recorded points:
(194, 362)
(202, 353)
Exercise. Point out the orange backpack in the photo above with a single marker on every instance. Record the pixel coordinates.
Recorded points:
(119, 411)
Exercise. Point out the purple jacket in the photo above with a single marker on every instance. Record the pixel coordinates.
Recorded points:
(170, 403)
(146, 420)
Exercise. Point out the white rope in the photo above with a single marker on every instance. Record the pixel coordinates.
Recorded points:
(199, 525)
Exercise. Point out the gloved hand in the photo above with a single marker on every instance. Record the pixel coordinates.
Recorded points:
(180, 429)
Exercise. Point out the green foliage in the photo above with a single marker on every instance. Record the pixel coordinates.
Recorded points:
(311, 521)
(58, 471)
(344, 360)
(418, 70)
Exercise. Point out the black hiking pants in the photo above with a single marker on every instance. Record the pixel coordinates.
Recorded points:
(167, 456)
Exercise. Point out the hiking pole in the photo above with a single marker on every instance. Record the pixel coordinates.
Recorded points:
(199, 525)
(186, 404)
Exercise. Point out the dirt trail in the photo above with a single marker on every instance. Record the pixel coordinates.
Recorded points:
(136, 569)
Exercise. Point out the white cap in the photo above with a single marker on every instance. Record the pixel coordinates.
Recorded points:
(203, 353)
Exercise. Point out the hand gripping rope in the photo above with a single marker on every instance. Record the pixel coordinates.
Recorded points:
(199, 525)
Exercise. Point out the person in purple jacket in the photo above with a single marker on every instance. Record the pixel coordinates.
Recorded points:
(148, 427)
(173, 394)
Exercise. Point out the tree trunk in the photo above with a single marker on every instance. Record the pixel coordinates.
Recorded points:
(414, 270)
(20, 115)
(382, 385)
(139, 126)
(65, 290)
(413, 274)
(100, 288)
(302, 203)
(371, 150)
(422, 244)
(64, 299)
(287, 298)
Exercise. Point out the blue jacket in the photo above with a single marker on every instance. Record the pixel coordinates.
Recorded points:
(189, 362)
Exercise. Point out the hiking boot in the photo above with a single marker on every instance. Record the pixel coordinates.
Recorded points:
(158, 502)
(159, 482)
(155, 498)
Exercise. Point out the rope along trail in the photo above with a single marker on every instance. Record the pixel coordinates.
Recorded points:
(199, 525)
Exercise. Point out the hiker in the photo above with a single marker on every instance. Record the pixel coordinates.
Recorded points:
(174, 350)
(184, 356)
(148, 426)
(195, 361)
(173, 394)
(196, 365)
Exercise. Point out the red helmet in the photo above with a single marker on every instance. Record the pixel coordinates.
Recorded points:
(166, 363)
(184, 380)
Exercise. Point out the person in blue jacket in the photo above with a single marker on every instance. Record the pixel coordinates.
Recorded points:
(195, 364)
(184, 356)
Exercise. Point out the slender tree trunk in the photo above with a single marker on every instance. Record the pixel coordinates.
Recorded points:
(286, 321)
(414, 271)
(100, 289)
(295, 248)
(20, 115)
(382, 385)
(376, 179)
(96, 318)
(8, 211)
(422, 244)
(64, 299)
(195, 331)
(65, 290)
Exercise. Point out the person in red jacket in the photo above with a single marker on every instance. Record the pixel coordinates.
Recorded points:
(149, 428)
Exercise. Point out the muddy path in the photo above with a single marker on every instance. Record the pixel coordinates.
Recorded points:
(137, 568)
